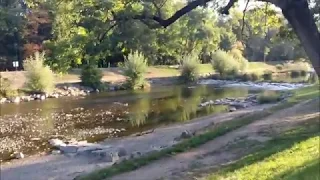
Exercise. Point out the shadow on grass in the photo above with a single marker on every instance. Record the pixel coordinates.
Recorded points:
(308, 171)
(281, 143)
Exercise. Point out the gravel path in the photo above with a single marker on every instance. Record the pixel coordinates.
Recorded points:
(61, 167)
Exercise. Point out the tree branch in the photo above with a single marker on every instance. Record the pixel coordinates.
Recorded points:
(226, 9)
(166, 22)
(243, 17)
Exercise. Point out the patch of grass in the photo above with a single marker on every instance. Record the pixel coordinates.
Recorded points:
(269, 97)
(309, 171)
(288, 156)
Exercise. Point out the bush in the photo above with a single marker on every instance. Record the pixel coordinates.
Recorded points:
(135, 67)
(190, 67)
(224, 63)
(40, 78)
(269, 97)
(242, 62)
(279, 67)
(91, 76)
(254, 77)
(295, 74)
(267, 76)
(6, 89)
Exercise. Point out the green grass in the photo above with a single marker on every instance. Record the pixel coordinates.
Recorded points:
(293, 155)
(269, 97)
(219, 130)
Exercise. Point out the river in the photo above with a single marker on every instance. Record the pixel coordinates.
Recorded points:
(27, 127)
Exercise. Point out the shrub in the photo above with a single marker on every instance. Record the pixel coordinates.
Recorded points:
(267, 76)
(40, 78)
(91, 76)
(5, 88)
(254, 77)
(135, 67)
(190, 67)
(279, 67)
(224, 63)
(242, 62)
(269, 97)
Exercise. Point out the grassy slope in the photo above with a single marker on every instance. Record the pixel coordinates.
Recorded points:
(221, 129)
(293, 156)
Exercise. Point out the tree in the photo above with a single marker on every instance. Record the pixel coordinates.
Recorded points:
(11, 23)
(297, 12)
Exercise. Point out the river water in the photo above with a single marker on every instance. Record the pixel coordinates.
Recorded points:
(27, 127)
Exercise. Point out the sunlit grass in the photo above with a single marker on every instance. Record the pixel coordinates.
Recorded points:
(301, 157)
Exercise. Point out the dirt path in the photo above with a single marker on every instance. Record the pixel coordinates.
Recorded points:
(215, 152)
(60, 167)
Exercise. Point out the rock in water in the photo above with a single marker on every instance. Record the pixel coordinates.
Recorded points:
(232, 109)
(19, 155)
(56, 142)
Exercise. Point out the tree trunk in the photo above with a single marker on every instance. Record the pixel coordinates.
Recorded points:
(300, 17)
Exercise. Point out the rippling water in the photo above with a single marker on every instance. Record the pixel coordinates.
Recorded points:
(26, 127)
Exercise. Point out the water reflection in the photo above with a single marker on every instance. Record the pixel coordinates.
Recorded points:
(139, 112)
(181, 104)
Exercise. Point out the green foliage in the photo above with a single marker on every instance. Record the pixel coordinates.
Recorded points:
(268, 97)
(135, 67)
(224, 63)
(267, 76)
(5, 88)
(279, 67)
(91, 76)
(190, 67)
(242, 62)
(40, 78)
